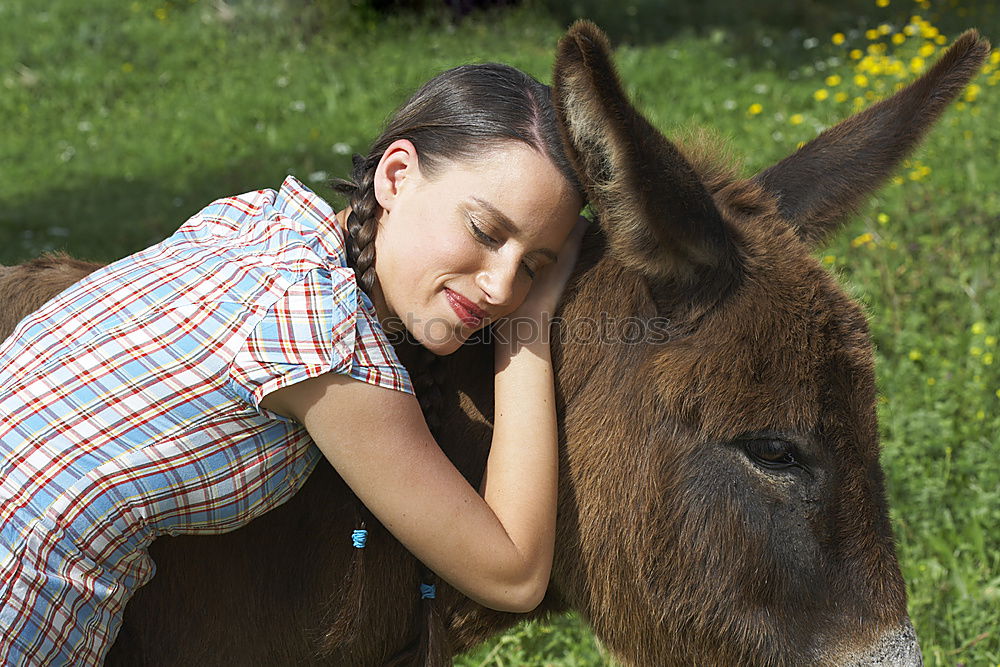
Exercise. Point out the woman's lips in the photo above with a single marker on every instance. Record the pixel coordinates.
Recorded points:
(467, 311)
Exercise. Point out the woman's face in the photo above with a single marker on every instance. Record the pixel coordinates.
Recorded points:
(457, 251)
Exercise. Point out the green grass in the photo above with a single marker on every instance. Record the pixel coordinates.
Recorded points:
(121, 119)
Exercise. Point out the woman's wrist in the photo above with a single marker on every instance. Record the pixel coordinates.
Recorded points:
(513, 336)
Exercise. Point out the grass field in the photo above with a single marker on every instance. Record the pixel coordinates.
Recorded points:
(123, 118)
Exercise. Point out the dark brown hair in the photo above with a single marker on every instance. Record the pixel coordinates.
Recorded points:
(453, 117)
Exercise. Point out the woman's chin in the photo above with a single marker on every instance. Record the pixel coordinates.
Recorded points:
(443, 348)
(440, 340)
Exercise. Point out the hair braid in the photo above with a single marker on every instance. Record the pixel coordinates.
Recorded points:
(362, 221)
(427, 384)
(430, 649)
(362, 225)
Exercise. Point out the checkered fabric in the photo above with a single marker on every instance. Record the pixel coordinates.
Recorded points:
(129, 408)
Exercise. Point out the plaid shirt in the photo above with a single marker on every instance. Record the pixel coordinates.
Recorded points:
(129, 408)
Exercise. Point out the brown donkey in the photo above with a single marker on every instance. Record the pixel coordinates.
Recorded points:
(721, 499)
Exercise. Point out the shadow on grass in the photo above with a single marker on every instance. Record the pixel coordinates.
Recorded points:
(746, 23)
(106, 219)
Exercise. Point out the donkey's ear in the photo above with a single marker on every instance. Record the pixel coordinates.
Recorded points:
(818, 186)
(659, 218)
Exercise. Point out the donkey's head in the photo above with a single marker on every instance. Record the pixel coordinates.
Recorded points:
(723, 455)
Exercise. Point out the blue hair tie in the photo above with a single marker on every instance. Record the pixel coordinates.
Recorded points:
(427, 591)
(358, 538)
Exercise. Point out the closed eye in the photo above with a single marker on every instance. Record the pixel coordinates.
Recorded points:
(488, 240)
(482, 236)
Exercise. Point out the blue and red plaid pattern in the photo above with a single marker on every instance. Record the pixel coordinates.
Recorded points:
(129, 408)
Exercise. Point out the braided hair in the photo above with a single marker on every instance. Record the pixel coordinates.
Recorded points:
(453, 117)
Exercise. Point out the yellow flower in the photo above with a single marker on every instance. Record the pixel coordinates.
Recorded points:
(916, 65)
(841, 96)
(931, 382)
(928, 31)
(821, 94)
(830, 259)
(991, 341)
(855, 54)
(926, 51)
(860, 80)
(897, 180)
(972, 92)
(885, 28)
(755, 109)
(978, 328)
(980, 414)
(910, 30)
(882, 3)
(127, 67)
(915, 355)
(988, 358)
(833, 80)
(898, 38)
(871, 34)
(796, 119)
(995, 58)
(883, 219)
(998, 393)
(976, 351)
(160, 13)
(861, 240)
(838, 38)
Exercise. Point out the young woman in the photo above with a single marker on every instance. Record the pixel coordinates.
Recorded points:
(193, 386)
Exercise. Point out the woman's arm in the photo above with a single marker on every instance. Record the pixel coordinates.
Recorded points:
(496, 548)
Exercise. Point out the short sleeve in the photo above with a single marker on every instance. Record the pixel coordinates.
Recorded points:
(320, 324)
(375, 359)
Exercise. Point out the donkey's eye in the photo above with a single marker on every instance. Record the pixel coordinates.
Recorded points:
(772, 454)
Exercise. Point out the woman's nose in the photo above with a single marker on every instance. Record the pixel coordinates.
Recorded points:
(499, 282)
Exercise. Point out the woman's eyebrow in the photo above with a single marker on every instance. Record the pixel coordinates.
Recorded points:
(502, 220)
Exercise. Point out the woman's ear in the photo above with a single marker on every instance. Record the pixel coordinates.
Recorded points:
(398, 162)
